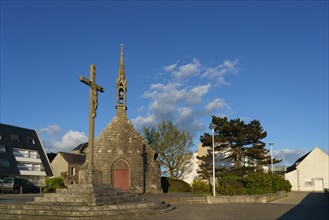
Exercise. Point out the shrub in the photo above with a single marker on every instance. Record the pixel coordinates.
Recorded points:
(199, 186)
(176, 185)
(258, 183)
(53, 183)
(230, 185)
(287, 186)
(280, 184)
(253, 184)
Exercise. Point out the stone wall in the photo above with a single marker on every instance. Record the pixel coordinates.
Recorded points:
(246, 198)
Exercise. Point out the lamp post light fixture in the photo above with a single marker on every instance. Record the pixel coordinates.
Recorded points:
(271, 144)
(212, 127)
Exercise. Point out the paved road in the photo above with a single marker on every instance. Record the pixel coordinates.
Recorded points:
(297, 206)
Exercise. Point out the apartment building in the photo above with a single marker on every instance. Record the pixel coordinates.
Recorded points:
(23, 155)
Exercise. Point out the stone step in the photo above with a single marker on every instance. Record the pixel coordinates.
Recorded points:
(87, 200)
(77, 212)
(94, 187)
(84, 194)
(65, 207)
(77, 190)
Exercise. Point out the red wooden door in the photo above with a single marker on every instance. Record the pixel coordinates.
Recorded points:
(121, 179)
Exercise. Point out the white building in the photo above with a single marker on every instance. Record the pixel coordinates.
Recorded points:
(203, 151)
(194, 167)
(310, 172)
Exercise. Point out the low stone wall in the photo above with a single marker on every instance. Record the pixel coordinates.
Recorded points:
(246, 198)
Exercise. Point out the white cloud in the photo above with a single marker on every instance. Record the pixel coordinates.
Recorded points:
(141, 109)
(175, 102)
(289, 156)
(51, 130)
(170, 68)
(219, 72)
(185, 112)
(70, 140)
(171, 93)
(187, 70)
(140, 121)
(215, 104)
(54, 141)
(183, 101)
(195, 94)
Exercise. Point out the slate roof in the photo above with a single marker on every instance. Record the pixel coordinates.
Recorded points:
(81, 147)
(293, 167)
(73, 158)
(28, 139)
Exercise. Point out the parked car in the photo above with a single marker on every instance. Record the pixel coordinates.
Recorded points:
(1, 190)
(15, 185)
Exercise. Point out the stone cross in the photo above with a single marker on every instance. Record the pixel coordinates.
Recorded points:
(93, 100)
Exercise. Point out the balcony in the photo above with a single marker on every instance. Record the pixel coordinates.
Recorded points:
(27, 159)
(32, 173)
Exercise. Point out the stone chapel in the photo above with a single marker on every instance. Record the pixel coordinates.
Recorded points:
(121, 153)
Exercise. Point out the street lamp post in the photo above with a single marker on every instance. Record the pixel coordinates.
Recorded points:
(212, 127)
(271, 144)
(284, 160)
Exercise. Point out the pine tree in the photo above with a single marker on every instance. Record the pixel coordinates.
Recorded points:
(247, 151)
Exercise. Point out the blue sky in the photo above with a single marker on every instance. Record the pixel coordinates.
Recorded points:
(185, 61)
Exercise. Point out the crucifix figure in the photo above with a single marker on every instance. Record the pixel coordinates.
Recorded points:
(93, 103)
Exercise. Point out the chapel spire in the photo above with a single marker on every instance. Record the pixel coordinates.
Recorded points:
(121, 85)
(122, 63)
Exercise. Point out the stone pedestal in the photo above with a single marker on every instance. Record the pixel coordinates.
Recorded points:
(90, 177)
(88, 194)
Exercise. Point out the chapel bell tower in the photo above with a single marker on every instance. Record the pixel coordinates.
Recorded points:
(121, 86)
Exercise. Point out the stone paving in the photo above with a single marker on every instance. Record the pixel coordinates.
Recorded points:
(297, 206)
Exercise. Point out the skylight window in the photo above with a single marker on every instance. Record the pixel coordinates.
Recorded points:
(30, 140)
(15, 138)
(2, 149)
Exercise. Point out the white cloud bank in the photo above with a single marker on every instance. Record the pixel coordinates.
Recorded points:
(184, 97)
(288, 156)
(219, 72)
(54, 141)
(51, 130)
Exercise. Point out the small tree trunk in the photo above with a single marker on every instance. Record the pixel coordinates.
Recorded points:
(171, 172)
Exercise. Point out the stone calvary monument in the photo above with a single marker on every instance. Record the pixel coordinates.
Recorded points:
(89, 175)
(119, 165)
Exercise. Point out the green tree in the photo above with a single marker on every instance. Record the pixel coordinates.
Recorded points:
(243, 142)
(173, 147)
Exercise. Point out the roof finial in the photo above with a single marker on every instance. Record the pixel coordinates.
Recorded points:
(122, 62)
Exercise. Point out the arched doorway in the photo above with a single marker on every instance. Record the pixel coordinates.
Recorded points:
(121, 175)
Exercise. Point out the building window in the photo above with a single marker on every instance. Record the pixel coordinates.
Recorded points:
(308, 182)
(15, 138)
(30, 167)
(0, 137)
(26, 153)
(72, 171)
(4, 163)
(2, 149)
(30, 140)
